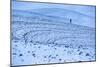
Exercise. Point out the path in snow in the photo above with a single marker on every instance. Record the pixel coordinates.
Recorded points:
(42, 39)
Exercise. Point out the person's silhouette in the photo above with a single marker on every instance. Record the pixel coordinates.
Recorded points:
(71, 21)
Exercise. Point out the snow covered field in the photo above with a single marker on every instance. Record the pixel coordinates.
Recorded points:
(43, 37)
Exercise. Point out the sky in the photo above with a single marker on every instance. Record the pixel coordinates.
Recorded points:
(88, 10)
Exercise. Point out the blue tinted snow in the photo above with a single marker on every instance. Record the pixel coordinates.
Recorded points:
(52, 34)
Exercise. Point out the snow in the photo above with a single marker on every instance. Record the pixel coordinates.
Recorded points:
(39, 37)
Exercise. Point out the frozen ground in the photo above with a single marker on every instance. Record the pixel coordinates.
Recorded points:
(39, 38)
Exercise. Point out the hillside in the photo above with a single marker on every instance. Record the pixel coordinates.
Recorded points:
(39, 39)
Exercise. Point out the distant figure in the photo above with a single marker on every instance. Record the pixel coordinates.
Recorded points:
(71, 21)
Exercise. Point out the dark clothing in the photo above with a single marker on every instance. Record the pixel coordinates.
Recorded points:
(70, 20)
